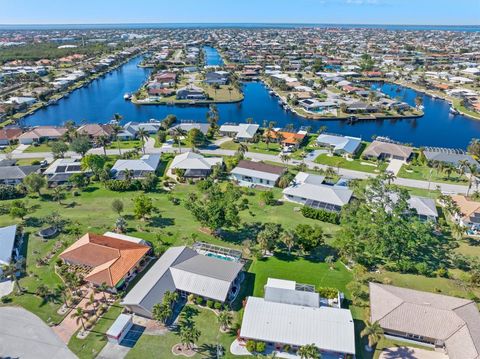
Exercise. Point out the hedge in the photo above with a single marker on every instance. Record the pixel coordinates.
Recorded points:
(321, 215)
(10, 192)
(122, 185)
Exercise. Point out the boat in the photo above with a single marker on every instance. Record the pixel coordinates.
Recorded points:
(271, 93)
(127, 96)
(453, 111)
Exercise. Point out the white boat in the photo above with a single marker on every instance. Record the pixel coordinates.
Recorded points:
(453, 111)
(271, 93)
(127, 96)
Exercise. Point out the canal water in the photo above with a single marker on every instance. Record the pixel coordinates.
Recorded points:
(98, 101)
(212, 57)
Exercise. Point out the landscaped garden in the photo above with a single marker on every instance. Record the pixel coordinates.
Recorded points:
(356, 164)
(426, 173)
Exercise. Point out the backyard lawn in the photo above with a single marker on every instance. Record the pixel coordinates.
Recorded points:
(260, 147)
(426, 173)
(356, 164)
(42, 147)
(130, 144)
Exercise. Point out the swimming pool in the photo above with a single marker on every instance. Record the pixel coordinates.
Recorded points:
(219, 256)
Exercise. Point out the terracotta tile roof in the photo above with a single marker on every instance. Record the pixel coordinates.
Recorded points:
(110, 258)
(95, 130)
(289, 138)
(10, 133)
(467, 207)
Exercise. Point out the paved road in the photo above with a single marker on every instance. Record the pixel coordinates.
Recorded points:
(24, 335)
(214, 150)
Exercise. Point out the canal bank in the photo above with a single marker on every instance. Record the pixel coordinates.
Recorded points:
(104, 97)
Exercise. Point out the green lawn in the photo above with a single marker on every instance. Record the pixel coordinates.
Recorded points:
(153, 346)
(90, 346)
(356, 164)
(130, 144)
(28, 161)
(42, 147)
(426, 173)
(260, 147)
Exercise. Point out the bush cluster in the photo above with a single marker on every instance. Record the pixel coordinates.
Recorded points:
(321, 215)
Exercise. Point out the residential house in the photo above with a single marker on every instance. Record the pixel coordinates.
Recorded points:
(310, 190)
(191, 93)
(243, 132)
(291, 314)
(216, 78)
(13, 175)
(250, 174)
(185, 271)
(109, 260)
(387, 150)
(60, 171)
(130, 129)
(140, 168)
(289, 140)
(469, 215)
(435, 319)
(450, 156)
(194, 165)
(187, 126)
(95, 130)
(7, 245)
(41, 133)
(340, 145)
(8, 135)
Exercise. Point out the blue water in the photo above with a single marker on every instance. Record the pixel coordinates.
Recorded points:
(212, 57)
(104, 97)
(463, 28)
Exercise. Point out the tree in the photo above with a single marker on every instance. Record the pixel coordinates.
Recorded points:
(161, 136)
(120, 225)
(103, 288)
(11, 270)
(117, 206)
(59, 148)
(308, 351)
(288, 239)
(374, 333)
(18, 209)
(81, 145)
(94, 163)
(189, 335)
(34, 182)
(309, 237)
(224, 319)
(142, 206)
(330, 260)
(116, 129)
(284, 158)
(42, 291)
(58, 194)
(78, 180)
(161, 312)
(195, 137)
(80, 315)
(103, 141)
(457, 231)
(268, 236)
(143, 135)
(389, 177)
(178, 133)
(474, 147)
(268, 198)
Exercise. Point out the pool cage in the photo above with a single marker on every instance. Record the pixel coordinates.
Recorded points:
(204, 248)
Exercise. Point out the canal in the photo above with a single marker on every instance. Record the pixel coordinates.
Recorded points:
(98, 101)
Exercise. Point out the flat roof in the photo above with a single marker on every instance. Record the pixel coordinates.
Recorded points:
(119, 324)
(7, 241)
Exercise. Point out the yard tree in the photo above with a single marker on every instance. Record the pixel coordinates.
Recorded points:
(288, 239)
(117, 206)
(78, 180)
(268, 198)
(142, 206)
(94, 163)
(374, 333)
(161, 312)
(80, 315)
(224, 319)
(11, 270)
(189, 334)
(18, 209)
(309, 237)
(308, 351)
(34, 182)
(195, 137)
(59, 148)
(81, 145)
(143, 136)
(161, 136)
(268, 236)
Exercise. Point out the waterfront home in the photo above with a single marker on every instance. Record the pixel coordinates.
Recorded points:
(187, 126)
(60, 171)
(13, 175)
(193, 165)
(434, 319)
(340, 145)
(289, 140)
(21, 102)
(313, 105)
(216, 78)
(243, 132)
(311, 190)
(191, 93)
(95, 130)
(447, 155)
(250, 174)
(424, 208)
(469, 211)
(9, 135)
(291, 314)
(130, 129)
(139, 168)
(165, 79)
(106, 259)
(7, 245)
(41, 133)
(209, 274)
(380, 150)
(156, 89)
(361, 107)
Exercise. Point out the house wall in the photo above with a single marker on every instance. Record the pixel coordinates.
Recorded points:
(301, 200)
(252, 181)
(139, 310)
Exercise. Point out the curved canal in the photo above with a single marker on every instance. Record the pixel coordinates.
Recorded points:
(98, 101)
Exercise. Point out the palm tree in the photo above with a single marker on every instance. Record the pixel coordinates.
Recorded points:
(308, 351)
(143, 135)
(330, 172)
(103, 288)
(224, 319)
(389, 177)
(57, 194)
(128, 175)
(457, 231)
(189, 335)
(79, 314)
(285, 158)
(242, 148)
(177, 133)
(472, 168)
(374, 333)
(161, 312)
(60, 291)
(103, 142)
(11, 270)
(116, 130)
(117, 117)
(288, 239)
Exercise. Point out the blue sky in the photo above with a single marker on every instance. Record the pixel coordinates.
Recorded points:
(440, 12)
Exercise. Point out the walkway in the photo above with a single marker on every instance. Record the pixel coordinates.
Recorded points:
(411, 353)
(24, 335)
(68, 326)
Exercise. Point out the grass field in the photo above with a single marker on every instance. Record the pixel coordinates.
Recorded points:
(356, 164)
(426, 173)
(131, 144)
(260, 147)
(42, 147)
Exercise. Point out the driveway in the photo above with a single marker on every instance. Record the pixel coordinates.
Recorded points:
(394, 166)
(6, 287)
(411, 353)
(24, 335)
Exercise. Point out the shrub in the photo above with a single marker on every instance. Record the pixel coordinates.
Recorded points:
(198, 300)
(260, 347)
(218, 305)
(210, 303)
(287, 348)
(5, 299)
(442, 272)
(268, 198)
(10, 192)
(122, 185)
(251, 346)
(35, 162)
(191, 298)
(327, 292)
(321, 215)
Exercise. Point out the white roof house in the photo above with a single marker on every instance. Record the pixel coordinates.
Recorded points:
(182, 268)
(146, 164)
(7, 242)
(340, 144)
(309, 189)
(242, 131)
(194, 164)
(276, 319)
